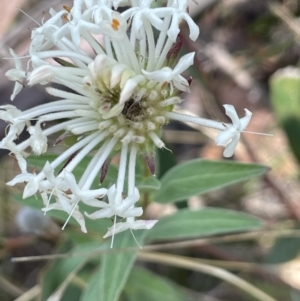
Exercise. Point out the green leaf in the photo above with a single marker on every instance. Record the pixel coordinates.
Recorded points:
(147, 286)
(285, 90)
(201, 176)
(285, 249)
(165, 160)
(188, 224)
(54, 276)
(285, 98)
(108, 281)
(147, 184)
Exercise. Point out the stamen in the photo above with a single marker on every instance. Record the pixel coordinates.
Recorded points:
(67, 8)
(48, 202)
(19, 9)
(115, 24)
(257, 133)
(135, 239)
(113, 235)
(19, 57)
(75, 205)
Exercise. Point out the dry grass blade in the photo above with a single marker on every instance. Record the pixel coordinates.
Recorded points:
(172, 245)
(30, 294)
(9, 287)
(228, 64)
(183, 262)
(57, 295)
(281, 12)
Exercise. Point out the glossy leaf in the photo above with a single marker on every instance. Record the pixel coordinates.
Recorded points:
(201, 176)
(108, 281)
(147, 184)
(186, 224)
(59, 270)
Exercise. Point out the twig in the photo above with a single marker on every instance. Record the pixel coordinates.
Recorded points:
(281, 12)
(183, 262)
(236, 265)
(9, 287)
(229, 65)
(171, 245)
(293, 209)
(198, 6)
(30, 294)
(57, 295)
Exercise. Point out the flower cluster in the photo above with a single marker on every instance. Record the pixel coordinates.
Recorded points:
(120, 77)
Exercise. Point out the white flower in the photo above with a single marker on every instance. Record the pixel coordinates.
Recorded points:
(231, 135)
(113, 24)
(130, 223)
(166, 74)
(9, 114)
(178, 11)
(64, 203)
(86, 196)
(119, 87)
(7, 143)
(54, 186)
(139, 14)
(117, 205)
(32, 185)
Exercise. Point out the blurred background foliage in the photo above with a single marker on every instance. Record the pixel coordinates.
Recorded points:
(247, 55)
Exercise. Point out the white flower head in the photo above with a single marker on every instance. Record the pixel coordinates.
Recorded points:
(119, 87)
